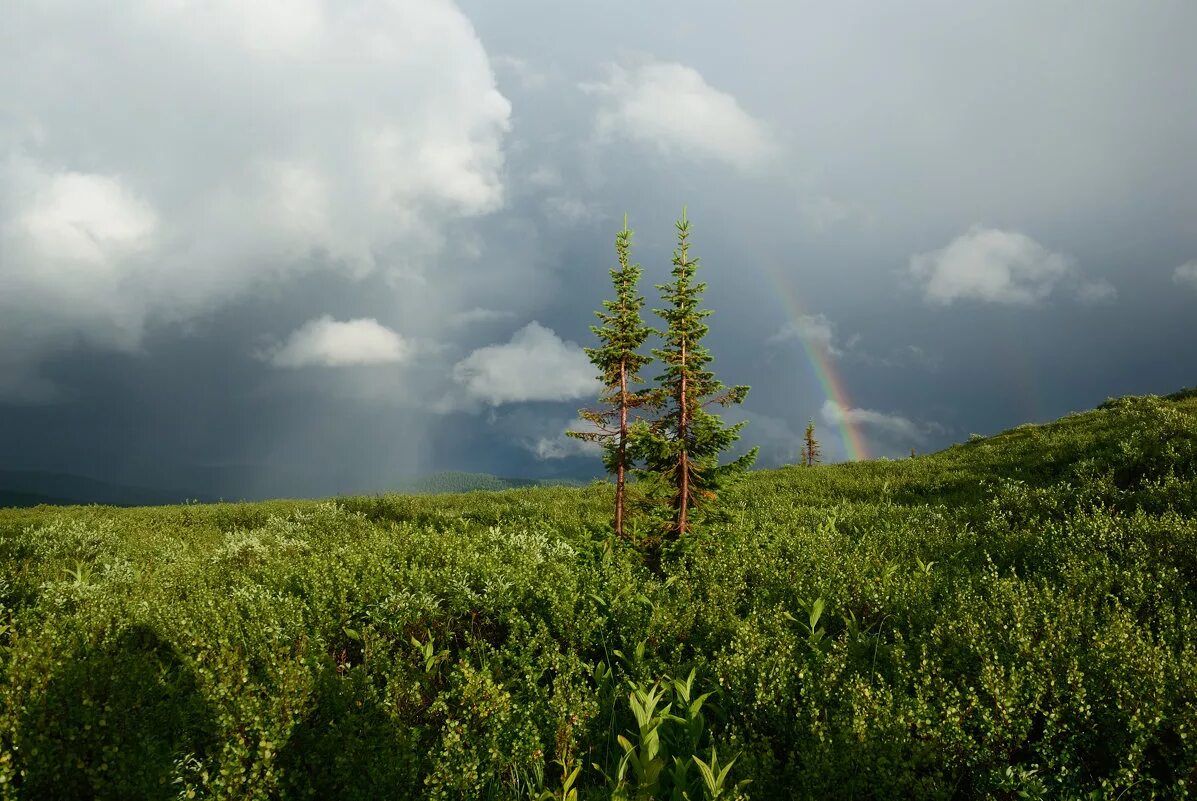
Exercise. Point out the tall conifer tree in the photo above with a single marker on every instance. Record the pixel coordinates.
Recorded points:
(621, 335)
(681, 448)
(811, 450)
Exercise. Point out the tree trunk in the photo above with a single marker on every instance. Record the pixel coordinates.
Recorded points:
(622, 457)
(683, 500)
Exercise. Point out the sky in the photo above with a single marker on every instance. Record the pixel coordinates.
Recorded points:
(312, 247)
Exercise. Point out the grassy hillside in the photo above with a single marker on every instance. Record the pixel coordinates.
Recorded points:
(1014, 617)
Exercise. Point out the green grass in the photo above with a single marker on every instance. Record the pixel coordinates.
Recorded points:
(1010, 618)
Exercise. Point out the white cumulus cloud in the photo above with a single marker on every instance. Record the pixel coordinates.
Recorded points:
(220, 152)
(569, 210)
(672, 107)
(1004, 267)
(536, 365)
(814, 329)
(76, 244)
(529, 77)
(1096, 292)
(560, 445)
(889, 425)
(990, 265)
(326, 342)
(1186, 274)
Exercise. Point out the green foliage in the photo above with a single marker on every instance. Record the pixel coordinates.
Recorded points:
(715, 782)
(661, 750)
(621, 333)
(811, 449)
(618, 359)
(1013, 618)
(681, 448)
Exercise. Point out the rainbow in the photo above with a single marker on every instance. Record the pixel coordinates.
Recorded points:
(829, 380)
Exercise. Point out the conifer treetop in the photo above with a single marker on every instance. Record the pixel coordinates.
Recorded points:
(621, 333)
(685, 328)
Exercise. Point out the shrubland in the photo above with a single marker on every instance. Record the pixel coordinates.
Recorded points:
(1015, 617)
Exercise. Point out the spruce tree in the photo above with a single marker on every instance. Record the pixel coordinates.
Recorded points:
(811, 450)
(681, 448)
(621, 334)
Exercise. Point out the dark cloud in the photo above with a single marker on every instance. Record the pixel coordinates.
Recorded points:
(243, 251)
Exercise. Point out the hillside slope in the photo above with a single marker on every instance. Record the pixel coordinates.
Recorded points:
(1014, 617)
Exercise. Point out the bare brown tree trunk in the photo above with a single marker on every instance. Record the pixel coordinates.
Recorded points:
(683, 500)
(621, 464)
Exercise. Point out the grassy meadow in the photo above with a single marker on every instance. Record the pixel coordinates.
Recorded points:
(1013, 617)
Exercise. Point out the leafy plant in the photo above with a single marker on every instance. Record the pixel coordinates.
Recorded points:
(815, 634)
(639, 772)
(80, 574)
(715, 778)
(427, 650)
(1016, 620)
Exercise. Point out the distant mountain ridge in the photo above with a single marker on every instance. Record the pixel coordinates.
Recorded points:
(34, 487)
(451, 481)
(25, 488)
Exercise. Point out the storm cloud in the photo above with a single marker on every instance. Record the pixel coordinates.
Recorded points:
(308, 247)
(166, 160)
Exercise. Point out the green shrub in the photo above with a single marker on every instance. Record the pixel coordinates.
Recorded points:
(1014, 618)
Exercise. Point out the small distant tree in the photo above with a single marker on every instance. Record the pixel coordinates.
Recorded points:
(681, 448)
(811, 450)
(621, 334)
